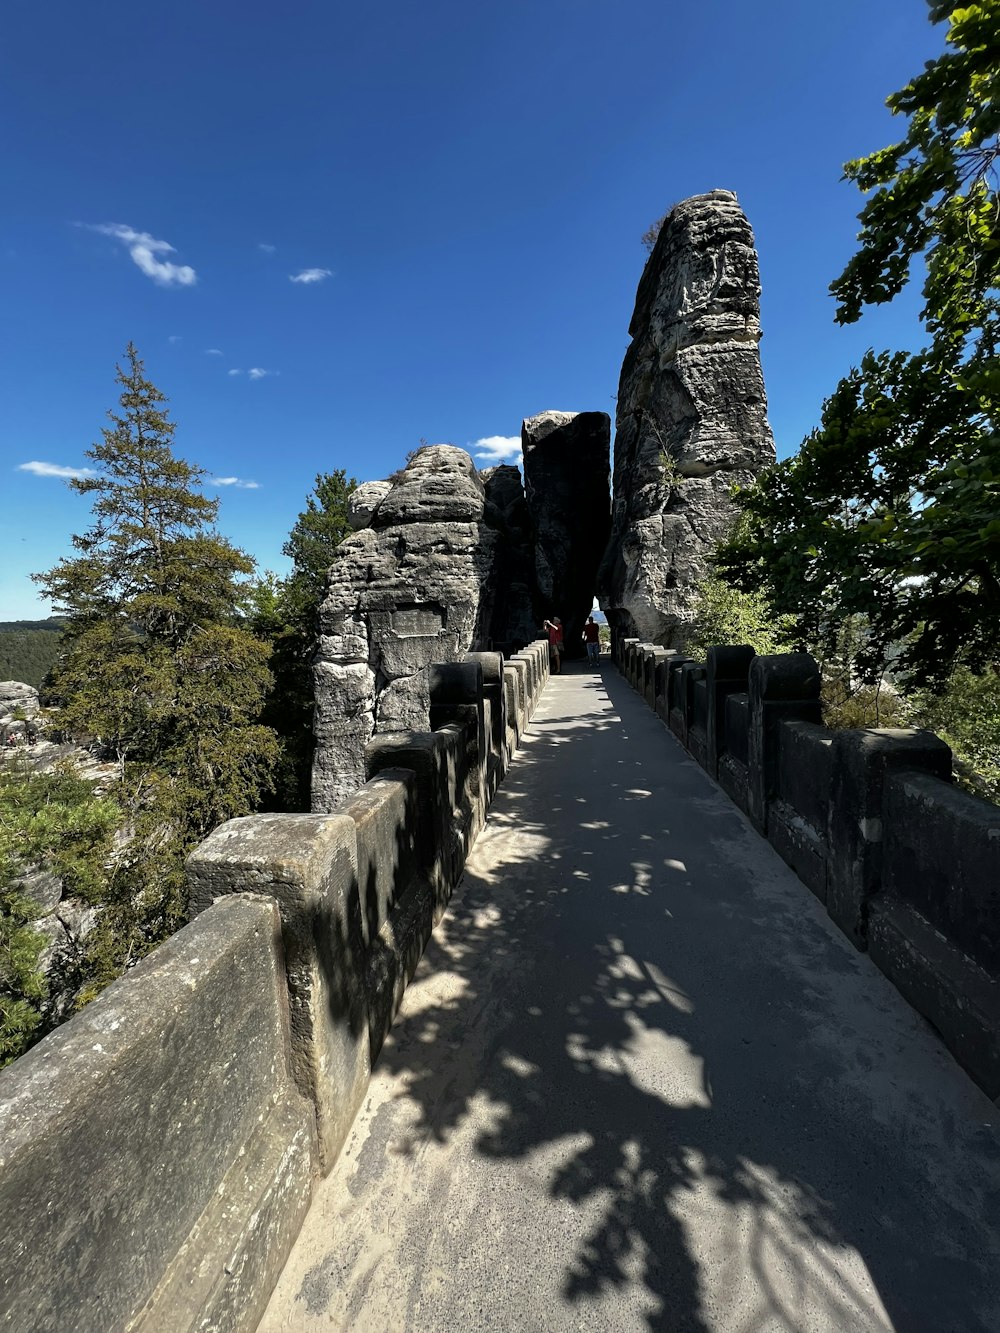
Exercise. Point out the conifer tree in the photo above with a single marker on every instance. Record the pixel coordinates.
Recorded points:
(156, 666)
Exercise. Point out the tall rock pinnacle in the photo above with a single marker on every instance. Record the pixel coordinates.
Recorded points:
(692, 416)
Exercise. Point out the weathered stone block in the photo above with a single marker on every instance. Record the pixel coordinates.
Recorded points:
(493, 690)
(942, 856)
(784, 687)
(433, 758)
(942, 983)
(861, 762)
(515, 707)
(727, 672)
(308, 865)
(161, 1115)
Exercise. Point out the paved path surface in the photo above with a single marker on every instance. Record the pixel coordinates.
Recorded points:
(641, 1082)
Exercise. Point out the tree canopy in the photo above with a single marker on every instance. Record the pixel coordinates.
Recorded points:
(156, 666)
(891, 509)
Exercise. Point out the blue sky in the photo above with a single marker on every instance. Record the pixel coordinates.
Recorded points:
(466, 186)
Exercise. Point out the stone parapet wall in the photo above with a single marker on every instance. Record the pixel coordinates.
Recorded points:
(906, 864)
(156, 1158)
(159, 1151)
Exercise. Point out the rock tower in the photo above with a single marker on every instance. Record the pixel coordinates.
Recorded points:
(692, 416)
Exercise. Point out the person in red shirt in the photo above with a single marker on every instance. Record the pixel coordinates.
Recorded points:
(592, 638)
(554, 627)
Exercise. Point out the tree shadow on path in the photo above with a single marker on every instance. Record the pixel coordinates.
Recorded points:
(746, 1118)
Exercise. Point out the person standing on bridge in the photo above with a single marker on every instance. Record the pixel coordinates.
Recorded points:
(592, 638)
(554, 627)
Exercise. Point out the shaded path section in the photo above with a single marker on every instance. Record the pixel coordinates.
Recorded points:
(641, 1082)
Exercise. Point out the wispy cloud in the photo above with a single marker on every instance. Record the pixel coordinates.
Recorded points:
(267, 249)
(213, 351)
(144, 250)
(308, 275)
(254, 373)
(175, 338)
(55, 470)
(238, 482)
(498, 449)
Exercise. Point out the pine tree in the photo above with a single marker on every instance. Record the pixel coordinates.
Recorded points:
(156, 666)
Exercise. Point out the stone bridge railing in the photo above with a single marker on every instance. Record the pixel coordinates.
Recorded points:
(159, 1151)
(907, 865)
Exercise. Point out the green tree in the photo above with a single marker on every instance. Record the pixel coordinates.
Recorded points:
(933, 195)
(156, 667)
(285, 612)
(966, 714)
(890, 510)
(725, 615)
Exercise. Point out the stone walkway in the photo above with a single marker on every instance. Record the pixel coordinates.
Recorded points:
(641, 1082)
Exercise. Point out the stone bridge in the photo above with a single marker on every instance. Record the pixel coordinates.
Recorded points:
(641, 1077)
(631, 998)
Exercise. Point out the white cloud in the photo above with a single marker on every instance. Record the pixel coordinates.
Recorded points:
(258, 373)
(144, 250)
(267, 249)
(235, 372)
(175, 338)
(238, 482)
(213, 351)
(311, 275)
(494, 449)
(55, 470)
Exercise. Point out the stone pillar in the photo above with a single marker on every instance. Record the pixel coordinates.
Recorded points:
(625, 647)
(650, 667)
(779, 688)
(457, 696)
(309, 865)
(661, 688)
(860, 763)
(728, 670)
(492, 665)
(675, 698)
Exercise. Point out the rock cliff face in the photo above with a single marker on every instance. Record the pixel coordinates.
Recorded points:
(692, 416)
(445, 560)
(515, 615)
(416, 587)
(567, 481)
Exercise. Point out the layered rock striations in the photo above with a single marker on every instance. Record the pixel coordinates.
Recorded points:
(567, 490)
(412, 589)
(691, 420)
(445, 560)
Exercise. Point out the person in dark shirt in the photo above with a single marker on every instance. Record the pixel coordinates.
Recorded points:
(592, 638)
(554, 627)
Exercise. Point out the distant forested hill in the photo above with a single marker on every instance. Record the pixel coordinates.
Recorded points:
(28, 649)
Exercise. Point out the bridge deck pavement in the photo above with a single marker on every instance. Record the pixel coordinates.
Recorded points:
(640, 1081)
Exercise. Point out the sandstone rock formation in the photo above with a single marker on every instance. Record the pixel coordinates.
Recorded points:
(18, 709)
(364, 500)
(415, 588)
(566, 480)
(692, 416)
(516, 619)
